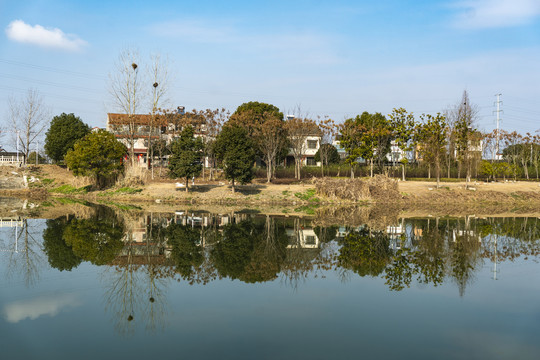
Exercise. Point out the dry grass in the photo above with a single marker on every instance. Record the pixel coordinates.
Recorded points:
(378, 188)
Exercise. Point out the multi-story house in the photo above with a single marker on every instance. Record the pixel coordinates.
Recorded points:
(139, 129)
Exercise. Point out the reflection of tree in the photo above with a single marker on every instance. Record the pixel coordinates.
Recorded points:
(366, 252)
(155, 272)
(268, 252)
(186, 248)
(250, 252)
(426, 261)
(463, 256)
(26, 253)
(60, 254)
(299, 261)
(98, 239)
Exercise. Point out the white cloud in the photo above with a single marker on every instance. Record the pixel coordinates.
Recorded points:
(477, 14)
(21, 32)
(34, 308)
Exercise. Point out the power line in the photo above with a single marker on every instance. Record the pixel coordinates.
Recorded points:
(50, 83)
(51, 69)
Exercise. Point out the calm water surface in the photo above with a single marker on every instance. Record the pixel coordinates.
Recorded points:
(118, 283)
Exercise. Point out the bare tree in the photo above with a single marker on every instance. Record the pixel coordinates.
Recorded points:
(328, 130)
(271, 138)
(159, 76)
(29, 118)
(463, 116)
(298, 130)
(126, 91)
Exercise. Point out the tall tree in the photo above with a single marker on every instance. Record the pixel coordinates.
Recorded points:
(431, 139)
(327, 129)
(402, 124)
(270, 137)
(28, 117)
(98, 155)
(298, 131)
(125, 88)
(265, 126)
(463, 115)
(159, 78)
(185, 160)
(252, 112)
(367, 136)
(236, 152)
(64, 131)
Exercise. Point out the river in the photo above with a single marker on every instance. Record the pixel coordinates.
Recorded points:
(117, 282)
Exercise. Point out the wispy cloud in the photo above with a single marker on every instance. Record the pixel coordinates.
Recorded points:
(301, 46)
(478, 14)
(54, 38)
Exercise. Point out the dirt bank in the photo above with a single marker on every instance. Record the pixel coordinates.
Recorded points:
(51, 180)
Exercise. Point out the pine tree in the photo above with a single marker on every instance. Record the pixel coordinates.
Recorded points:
(236, 152)
(186, 155)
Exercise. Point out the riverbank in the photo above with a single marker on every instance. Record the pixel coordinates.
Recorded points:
(52, 181)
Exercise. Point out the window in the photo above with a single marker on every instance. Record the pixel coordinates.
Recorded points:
(310, 240)
(312, 144)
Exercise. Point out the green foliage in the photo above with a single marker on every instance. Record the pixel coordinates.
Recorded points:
(98, 155)
(64, 132)
(258, 109)
(431, 137)
(308, 195)
(366, 136)
(98, 239)
(366, 252)
(59, 254)
(185, 161)
(235, 150)
(250, 252)
(186, 250)
(333, 155)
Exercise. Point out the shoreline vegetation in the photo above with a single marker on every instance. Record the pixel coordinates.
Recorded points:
(308, 196)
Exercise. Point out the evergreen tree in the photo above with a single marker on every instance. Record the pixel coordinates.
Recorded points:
(98, 155)
(186, 155)
(62, 135)
(235, 150)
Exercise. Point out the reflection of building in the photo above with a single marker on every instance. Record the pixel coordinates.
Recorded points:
(304, 238)
(11, 222)
(395, 236)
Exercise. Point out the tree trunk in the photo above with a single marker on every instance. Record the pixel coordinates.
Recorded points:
(371, 168)
(438, 170)
(187, 183)
(268, 171)
(429, 172)
(232, 187)
(403, 172)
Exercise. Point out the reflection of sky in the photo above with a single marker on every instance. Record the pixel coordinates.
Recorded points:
(34, 308)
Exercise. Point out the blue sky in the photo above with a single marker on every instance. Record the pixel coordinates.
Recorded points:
(336, 58)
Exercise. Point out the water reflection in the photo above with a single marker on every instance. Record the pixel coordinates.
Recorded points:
(24, 248)
(140, 255)
(202, 247)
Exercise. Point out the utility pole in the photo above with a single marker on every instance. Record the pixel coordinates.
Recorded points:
(498, 102)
